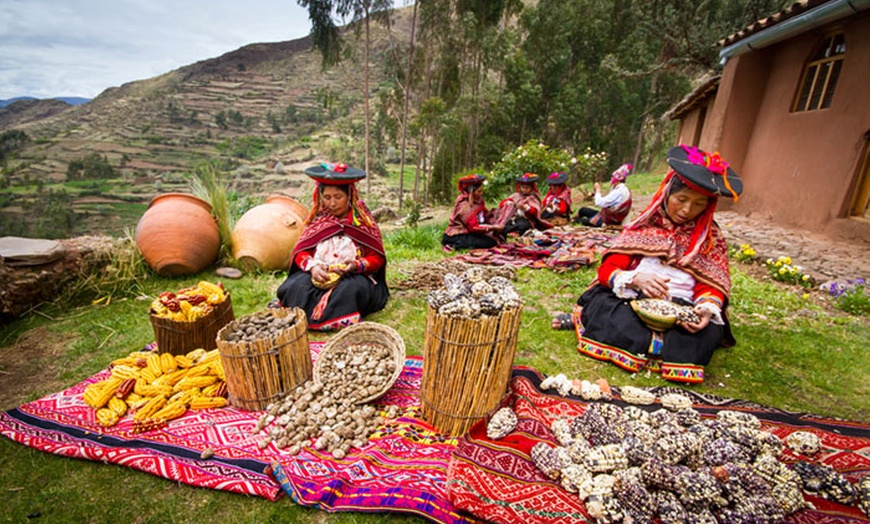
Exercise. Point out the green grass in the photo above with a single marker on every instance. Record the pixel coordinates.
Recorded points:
(791, 354)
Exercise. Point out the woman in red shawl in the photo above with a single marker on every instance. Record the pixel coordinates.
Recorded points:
(557, 202)
(338, 267)
(522, 210)
(673, 250)
(468, 227)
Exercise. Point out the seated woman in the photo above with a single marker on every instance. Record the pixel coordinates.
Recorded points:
(614, 207)
(673, 250)
(338, 267)
(557, 202)
(521, 211)
(468, 227)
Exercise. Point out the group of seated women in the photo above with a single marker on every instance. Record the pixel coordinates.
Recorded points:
(672, 250)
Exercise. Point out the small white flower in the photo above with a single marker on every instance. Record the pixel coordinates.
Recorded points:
(573, 159)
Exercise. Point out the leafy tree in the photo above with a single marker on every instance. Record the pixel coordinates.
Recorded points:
(11, 141)
(327, 40)
(92, 166)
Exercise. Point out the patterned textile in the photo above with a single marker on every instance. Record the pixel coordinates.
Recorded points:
(559, 250)
(408, 467)
(496, 480)
(656, 239)
(403, 469)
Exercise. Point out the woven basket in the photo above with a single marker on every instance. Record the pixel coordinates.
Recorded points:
(179, 338)
(467, 365)
(262, 371)
(654, 321)
(369, 333)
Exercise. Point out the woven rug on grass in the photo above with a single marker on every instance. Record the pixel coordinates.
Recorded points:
(496, 480)
(408, 467)
(558, 249)
(403, 469)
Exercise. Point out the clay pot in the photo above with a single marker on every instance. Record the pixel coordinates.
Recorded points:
(177, 235)
(264, 237)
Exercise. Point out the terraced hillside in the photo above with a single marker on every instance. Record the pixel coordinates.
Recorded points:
(247, 109)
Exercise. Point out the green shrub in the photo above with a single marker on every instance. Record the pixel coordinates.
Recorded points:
(851, 296)
(536, 157)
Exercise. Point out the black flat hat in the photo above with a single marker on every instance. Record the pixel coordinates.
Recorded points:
(558, 177)
(705, 172)
(335, 174)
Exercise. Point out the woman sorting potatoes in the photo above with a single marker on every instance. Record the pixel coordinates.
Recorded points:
(673, 251)
(338, 267)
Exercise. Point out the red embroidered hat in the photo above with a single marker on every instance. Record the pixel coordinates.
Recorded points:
(558, 177)
(335, 174)
(527, 178)
(470, 180)
(704, 172)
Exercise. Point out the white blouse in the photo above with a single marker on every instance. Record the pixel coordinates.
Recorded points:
(680, 284)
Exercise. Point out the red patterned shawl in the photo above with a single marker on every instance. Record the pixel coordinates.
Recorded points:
(659, 237)
(560, 192)
(463, 209)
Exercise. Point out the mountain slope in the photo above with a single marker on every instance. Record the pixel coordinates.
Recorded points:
(172, 122)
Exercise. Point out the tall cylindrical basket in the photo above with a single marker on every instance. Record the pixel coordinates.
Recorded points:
(262, 371)
(466, 367)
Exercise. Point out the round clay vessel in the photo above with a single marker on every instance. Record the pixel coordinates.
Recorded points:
(264, 237)
(178, 235)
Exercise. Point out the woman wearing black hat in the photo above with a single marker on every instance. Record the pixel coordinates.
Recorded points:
(521, 211)
(673, 250)
(557, 202)
(338, 271)
(468, 227)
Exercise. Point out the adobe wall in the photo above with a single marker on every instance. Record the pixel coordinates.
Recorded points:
(798, 167)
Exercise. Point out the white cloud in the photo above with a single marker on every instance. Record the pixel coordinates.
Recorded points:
(80, 48)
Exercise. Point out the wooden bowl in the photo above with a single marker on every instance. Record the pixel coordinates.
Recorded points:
(650, 312)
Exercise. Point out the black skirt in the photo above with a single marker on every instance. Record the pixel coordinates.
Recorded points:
(354, 297)
(610, 320)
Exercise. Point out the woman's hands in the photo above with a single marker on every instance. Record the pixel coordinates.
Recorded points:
(651, 285)
(320, 273)
(704, 315)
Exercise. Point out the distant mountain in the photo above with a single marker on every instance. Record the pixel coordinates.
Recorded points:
(210, 110)
(71, 100)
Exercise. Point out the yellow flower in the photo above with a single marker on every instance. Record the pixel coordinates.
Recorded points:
(805, 278)
(782, 271)
(806, 296)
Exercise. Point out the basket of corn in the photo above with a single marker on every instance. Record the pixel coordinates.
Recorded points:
(190, 318)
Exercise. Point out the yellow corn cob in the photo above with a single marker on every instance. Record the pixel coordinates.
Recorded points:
(195, 355)
(184, 361)
(148, 375)
(195, 382)
(150, 390)
(175, 377)
(106, 417)
(98, 394)
(137, 403)
(167, 362)
(210, 356)
(124, 372)
(186, 309)
(211, 290)
(132, 398)
(209, 391)
(207, 402)
(150, 407)
(170, 411)
(218, 369)
(154, 364)
(200, 370)
(184, 396)
(118, 406)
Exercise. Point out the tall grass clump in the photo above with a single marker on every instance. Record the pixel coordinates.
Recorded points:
(206, 183)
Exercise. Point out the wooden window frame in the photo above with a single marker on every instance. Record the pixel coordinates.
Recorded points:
(819, 91)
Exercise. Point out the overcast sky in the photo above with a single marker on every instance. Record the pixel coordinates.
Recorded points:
(51, 48)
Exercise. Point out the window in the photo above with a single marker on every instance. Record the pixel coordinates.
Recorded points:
(821, 74)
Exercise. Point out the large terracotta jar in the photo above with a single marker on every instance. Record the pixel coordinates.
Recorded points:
(178, 235)
(264, 237)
